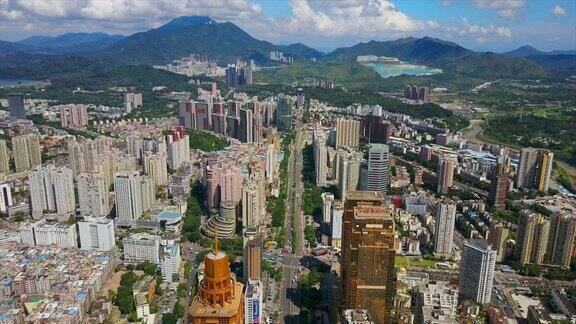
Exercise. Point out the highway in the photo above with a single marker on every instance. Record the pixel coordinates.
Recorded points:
(290, 296)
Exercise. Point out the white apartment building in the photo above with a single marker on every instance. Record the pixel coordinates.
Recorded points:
(128, 194)
(97, 234)
(52, 191)
(141, 247)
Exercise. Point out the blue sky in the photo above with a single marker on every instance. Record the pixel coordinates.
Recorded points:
(494, 25)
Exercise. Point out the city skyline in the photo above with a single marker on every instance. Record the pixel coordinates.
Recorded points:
(478, 24)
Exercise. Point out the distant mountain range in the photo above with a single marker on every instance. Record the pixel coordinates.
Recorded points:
(526, 50)
(227, 42)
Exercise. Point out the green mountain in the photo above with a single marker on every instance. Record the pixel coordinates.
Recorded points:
(301, 50)
(69, 39)
(524, 51)
(418, 50)
(199, 35)
(450, 57)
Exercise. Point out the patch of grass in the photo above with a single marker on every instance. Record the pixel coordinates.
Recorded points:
(405, 261)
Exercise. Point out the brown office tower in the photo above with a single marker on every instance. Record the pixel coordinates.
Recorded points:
(252, 254)
(499, 185)
(220, 299)
(368, 255)
(446, 166)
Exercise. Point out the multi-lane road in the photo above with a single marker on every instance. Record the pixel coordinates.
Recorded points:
(291, 262)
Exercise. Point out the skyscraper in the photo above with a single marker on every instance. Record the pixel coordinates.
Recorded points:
(253, 302)
(16, 105)
(246, 126)
(534, 168)
(26, 150)
(499, 185)
(532, 242)
(4, 157)
(327, 201)
(561, 239)
(347, 170)
(148, 192)
(178, 148)
(446, 166)
(368, 255)
(52, 191)
(347, 132)
(477, 271)
(5, 197)
(155, 165)
(252, 254)
(445, 216)
(375, 175)
(96, 234)
(128, 194)
(497, 237)
(320, 157)
(220, 298)
(93, 194)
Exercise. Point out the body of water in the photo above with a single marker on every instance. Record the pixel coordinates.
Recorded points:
(403, 68)
(4, 83)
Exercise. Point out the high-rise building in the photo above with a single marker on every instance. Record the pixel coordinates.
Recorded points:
(544, 169)
(128, 194)
(445, 216)
(532, 242)
(4, 157)
(499, 185)
(367, 271)
(178, 148)
(52, 191)
(347, 170)
(271, 163)
(246, 126)
(132, 101)
(26, 150)
(141, 247)
(347, 132)
(74, 116)
(93, 194)
(327, 202)
(320, 157)
(222, 225)
(253, 302)
(534, 168)
(561, 239)
(283, 113)
(497, 237)
(252, 254)
(446, 166)
(155, 165)
(336, 224)
(477, 271)
(257, 127)
(5, 197)
(170, 260)
(43, 233)
(220, 298)
(148, 192)
(251, 205)
(97, 234)
(16, 106)
(375, 129)
(374, 175)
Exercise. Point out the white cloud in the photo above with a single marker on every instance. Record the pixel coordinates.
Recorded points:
(481, 34)
(351, 17)
(559, 11)
(125, 16)
(504, 8)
